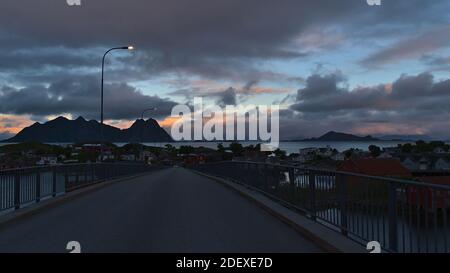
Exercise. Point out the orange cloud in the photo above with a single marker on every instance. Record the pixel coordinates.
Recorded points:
(168, 122)
(383, 128)
(13, 124)
(268, 90)
(122, 124)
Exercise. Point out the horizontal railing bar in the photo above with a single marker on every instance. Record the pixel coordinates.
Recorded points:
(386, 179)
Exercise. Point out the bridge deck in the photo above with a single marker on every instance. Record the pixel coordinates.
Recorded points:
(172, 210)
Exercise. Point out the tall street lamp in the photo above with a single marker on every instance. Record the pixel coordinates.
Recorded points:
(103, 71)
(142, 140)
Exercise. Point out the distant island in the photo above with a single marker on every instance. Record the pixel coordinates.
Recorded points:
(337, 136)
(63, 130)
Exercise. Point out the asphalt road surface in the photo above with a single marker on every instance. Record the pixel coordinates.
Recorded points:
(172, 210)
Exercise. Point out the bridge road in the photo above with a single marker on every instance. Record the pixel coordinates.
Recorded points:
(172, 210)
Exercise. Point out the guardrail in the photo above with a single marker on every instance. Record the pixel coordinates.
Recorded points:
(403, 216)
(21, 187)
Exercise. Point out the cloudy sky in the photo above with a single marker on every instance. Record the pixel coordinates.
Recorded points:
(331, 65)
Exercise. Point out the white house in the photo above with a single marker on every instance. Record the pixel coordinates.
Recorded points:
(128, 157)
(325, 152)
(306, 154)
(48, 160)
(147, 156)
(307, 151)
(410, 164)
(338, 157)
(442, 164)
(424, 164)
(439, 150)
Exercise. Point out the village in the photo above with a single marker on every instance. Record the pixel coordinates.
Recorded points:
(422, 161)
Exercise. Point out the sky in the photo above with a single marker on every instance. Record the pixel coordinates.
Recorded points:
(330, 65)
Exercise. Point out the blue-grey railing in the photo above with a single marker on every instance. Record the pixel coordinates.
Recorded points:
(403, 216)
(20, 187)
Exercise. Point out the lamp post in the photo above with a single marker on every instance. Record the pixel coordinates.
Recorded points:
(103, 72)
(142, 140)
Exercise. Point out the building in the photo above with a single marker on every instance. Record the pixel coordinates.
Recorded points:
(306, 151)
(410, 163)
(128, 157)
(147, 156)
(440, 150)
(193, 159)
(424, 164)
(385, 155)
(48, 160)
(442, 164)
(391, 150)
(306, 154)
(324, 152)
(338, 157)
(107, 155)
(430, 162)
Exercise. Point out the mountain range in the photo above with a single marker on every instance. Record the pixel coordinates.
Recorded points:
(337, 136)
(63, 130)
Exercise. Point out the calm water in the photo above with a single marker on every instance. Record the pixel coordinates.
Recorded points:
(294, 147)
(289, 147)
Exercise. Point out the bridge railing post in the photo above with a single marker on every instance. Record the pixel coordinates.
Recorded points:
(392, 216)
(17, 190)
(85, 171)
(266, 177)
(66, 178)
(54, 182)
(292, 185)
(92, 172)
(77, 176)
(38, 186)
(341, 184)
(312, 194)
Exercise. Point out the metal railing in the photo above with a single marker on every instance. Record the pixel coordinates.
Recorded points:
(22, 187)
(403, 216)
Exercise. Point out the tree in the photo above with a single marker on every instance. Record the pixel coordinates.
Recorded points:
(348, 154)
(236, 148)
(280, 153)
(423, 147)
(375, 151)
(186, 150)
(220, 148)
(446, 148)
(171, 150)
(407, 148)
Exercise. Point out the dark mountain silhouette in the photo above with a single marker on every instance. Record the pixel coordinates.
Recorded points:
(62, 130)
(336, 136)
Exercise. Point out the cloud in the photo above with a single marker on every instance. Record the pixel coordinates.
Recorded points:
(199, 37)
(80, 97)
(227, 97)
(416, 101)
(51, 57)
(410, 48)
(10, 125)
